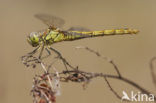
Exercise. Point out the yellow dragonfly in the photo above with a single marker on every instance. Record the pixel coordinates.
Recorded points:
(54, 34)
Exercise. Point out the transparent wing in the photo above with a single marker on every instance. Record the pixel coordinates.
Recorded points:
(75, 34)
(50, 20)
(77, 28)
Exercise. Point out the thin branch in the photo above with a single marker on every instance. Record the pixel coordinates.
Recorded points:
(47, 75)
(105, 76)
(103, 57)
(152, 70)
(116, 94)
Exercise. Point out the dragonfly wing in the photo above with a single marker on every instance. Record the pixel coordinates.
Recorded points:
(77, 28)
(76, 31)
(50, 20)
(75, 34)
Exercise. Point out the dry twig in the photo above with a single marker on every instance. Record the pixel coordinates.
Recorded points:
(45, 90)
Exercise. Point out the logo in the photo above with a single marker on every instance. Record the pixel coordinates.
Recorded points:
(137, 96)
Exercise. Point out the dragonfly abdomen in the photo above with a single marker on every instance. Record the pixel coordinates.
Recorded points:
(110, 32)
(79, 35)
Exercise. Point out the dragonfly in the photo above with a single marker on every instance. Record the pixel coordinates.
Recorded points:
(54, 34)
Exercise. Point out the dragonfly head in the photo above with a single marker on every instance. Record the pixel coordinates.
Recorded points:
(33, 39)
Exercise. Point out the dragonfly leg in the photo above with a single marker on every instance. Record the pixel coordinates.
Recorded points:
(65, 62)
(29, 56)
(34, 51)
(41, 51)
(30, 53)
(49, 53)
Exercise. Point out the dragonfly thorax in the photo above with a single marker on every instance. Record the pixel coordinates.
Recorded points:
(51, 37)
(33, 39)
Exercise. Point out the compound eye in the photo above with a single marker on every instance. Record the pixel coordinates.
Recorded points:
(33, 34)
(33, 39)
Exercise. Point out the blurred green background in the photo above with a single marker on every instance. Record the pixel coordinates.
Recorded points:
(130, 52)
